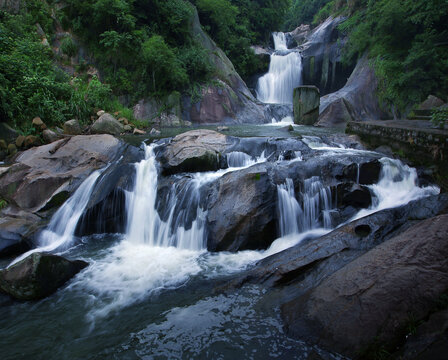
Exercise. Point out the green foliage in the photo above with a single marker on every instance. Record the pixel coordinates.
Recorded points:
(303, 12)
(69, 47)
(236, 24)
(439, 117)
(142, 47)
(407, 40)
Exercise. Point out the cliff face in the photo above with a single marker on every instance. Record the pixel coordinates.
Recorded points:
(322, 65)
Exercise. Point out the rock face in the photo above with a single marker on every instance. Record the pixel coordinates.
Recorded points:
(231, 90)
(243, 219)
(306, 105)
(372, 297)
(196, 150)
(38, 276)
(107, 124)
(322, 65)
(356, 101)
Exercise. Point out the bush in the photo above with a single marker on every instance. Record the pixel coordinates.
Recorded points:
(69, 47)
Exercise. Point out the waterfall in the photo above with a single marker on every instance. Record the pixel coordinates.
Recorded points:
(398, 185)
(285, 74)
(60, 231)
(145, 225)
(314, 212)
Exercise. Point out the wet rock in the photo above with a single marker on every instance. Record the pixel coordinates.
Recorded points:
(306, 105)
(107, 124)
(50, 136)
(299, 35)
(38, 276)
(42, 172)
(243, 219)
(72, 127)
(15, 234)
(367, 173)
(354, 195)
(196, 150)
(154, 132)
(371, 298)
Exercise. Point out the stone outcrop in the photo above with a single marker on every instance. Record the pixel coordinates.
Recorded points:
(306, 105)
(38, 276)
(196, 150)
(41, 173)
(246, 218)
(322, 60)
(371, 299)
(107, 124)
(356, 101)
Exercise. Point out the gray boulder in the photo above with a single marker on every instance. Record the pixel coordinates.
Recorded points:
(371, 299)
(50, 136)
(43, 172)
(107, 124)
(72, 127)
(196, 150)
(38, 276)
(306, 103)
(246, 218)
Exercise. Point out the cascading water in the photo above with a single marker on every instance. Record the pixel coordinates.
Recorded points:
(398, 185)
(285, 74)
(59, 233)
(145, 225)
(316, 204)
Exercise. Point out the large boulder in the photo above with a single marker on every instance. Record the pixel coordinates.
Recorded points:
(38, 276)
(107, 124)
(356, 101)
(306, 103)
(322, 60)
(196, 150)
(43, 172)
(15, 234)
(372, 299)
(246, 218)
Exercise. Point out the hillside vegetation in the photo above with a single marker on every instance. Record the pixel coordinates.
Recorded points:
(405, 39)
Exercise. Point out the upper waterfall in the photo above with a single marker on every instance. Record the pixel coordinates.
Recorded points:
(285, 74)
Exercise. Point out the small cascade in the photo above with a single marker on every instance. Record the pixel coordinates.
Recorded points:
(60, 232)
(314, 212)
(398, 185)
(145, 225)
(238, 159)
(284, 75)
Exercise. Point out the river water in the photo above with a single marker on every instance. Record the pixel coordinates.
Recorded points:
(149, 293)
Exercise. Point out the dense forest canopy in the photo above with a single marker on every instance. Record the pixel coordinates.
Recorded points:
(148, 48)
